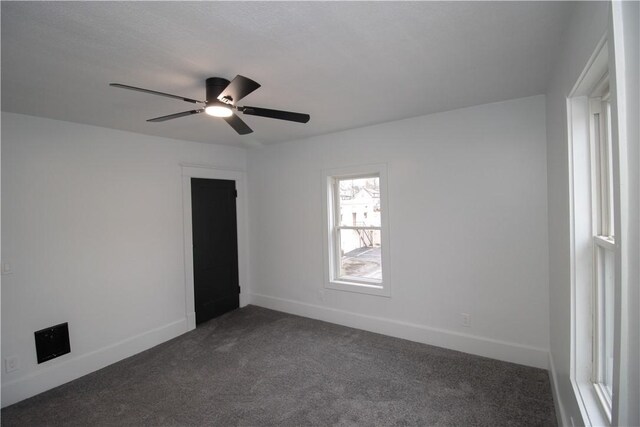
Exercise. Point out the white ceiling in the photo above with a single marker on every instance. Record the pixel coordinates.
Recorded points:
(348, 64)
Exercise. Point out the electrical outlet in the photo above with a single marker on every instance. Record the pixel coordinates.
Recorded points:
(11, 364)
(465, 320)
(321, 295)
(7, 268)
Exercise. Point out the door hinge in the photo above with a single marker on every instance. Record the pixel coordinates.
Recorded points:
(238, 289)
(235, 193)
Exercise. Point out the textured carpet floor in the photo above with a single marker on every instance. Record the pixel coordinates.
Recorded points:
(255, 366)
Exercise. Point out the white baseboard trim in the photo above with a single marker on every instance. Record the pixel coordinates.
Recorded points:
(481, 346)
(65, 371)
(557, 402)
(245, 299)
(191, 321)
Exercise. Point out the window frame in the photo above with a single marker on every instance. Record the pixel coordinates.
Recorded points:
(587, 220)
(331, 230)
(603, 237)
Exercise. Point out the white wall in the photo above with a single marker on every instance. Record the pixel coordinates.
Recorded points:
(586, 28)
(625, 33)
(468, 226)
(92, 225)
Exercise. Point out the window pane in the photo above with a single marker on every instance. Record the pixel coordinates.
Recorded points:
(359, 202)
(609, 201)
(360, 254)
(605, 290)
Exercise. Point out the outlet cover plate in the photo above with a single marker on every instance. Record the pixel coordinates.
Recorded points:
(465, 320)
(11, 364)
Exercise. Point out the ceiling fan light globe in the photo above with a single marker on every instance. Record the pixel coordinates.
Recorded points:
(218, 111)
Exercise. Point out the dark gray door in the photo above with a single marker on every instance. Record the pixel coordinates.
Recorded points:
(215, 247)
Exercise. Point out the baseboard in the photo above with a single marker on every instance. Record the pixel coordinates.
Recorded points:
(245, 299)
(481, 346)
(53, 376)
(191, 321)
(557, 402)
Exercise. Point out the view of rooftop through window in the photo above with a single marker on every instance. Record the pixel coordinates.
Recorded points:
(359, 228)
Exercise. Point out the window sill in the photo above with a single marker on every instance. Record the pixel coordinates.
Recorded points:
(593, 414)
(377, 289)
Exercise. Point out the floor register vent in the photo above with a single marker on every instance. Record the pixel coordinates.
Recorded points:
(52, 342)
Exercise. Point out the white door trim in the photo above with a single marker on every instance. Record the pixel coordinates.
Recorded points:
(202, 171)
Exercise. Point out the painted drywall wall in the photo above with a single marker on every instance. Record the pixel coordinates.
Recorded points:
(586, 28)
(468, 229)
(92, 222)
(625, 34)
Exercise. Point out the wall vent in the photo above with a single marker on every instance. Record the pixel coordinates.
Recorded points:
(52, 342)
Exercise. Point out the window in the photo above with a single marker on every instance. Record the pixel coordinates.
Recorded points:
(604, 250)
(594, 245)
(356, 237)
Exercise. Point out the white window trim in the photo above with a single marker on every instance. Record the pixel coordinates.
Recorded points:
(604, 397)
(601, 160)
(602, 231)
(358, 285)
(581, 244)
(592, 400)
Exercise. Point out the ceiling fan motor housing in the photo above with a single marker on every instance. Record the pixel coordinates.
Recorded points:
(215, 86)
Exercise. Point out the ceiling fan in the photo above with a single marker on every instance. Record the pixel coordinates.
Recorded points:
(222, 96)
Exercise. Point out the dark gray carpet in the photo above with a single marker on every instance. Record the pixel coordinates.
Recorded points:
(256, 366)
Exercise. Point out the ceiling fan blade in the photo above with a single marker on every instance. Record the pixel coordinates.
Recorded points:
(239, 87)
(276, 114)
(175, 116)
(154, 92)
(238, 124)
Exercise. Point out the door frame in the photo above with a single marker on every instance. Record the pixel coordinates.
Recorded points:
(209, 172)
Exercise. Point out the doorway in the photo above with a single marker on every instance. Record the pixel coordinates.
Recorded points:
(215, 247)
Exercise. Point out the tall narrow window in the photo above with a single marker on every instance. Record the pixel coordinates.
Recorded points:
(356, 231)
(603, 247)
(594, 243)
